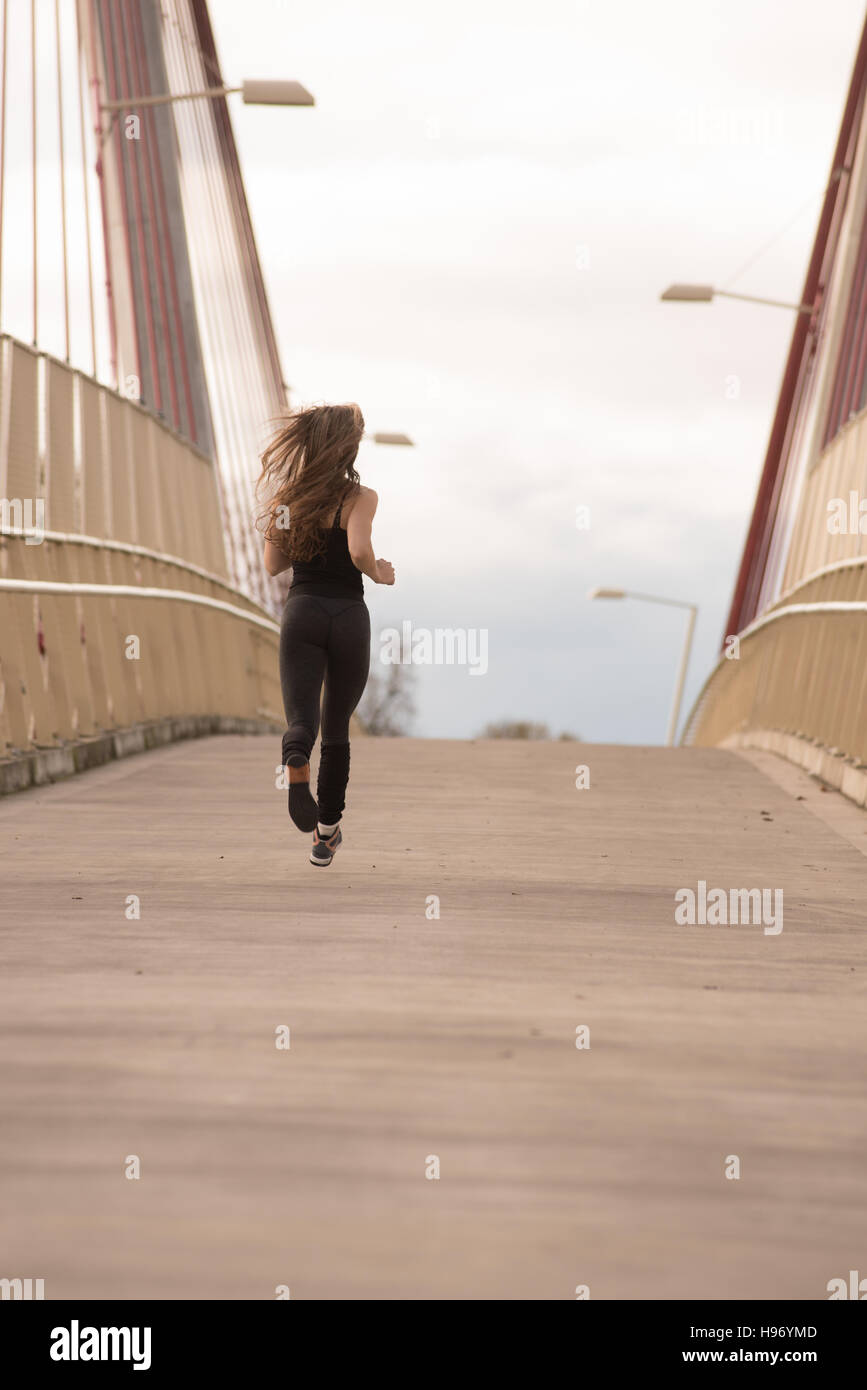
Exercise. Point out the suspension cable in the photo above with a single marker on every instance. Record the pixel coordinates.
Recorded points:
(3, 149)
(34, 156)
(62, 177)
(81, 100)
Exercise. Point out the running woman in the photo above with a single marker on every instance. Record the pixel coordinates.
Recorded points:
(319, 522)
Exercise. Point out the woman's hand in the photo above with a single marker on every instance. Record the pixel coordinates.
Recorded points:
(384, 572)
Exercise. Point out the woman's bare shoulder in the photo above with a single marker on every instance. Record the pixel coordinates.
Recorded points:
(362, 496)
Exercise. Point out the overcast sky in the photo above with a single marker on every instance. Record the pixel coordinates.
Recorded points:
(469, 235)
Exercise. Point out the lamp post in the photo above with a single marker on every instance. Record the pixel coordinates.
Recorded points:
(381, 437)
(704, 294)
(674, 717)
(253, 93)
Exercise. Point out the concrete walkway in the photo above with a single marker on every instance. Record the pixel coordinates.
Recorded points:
(414, 1037)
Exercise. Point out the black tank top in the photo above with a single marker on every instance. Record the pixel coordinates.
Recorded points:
(332, 573)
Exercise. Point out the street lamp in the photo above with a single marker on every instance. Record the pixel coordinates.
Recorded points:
(674, 718)
(703, 294)
(385, 438)
(253, 93)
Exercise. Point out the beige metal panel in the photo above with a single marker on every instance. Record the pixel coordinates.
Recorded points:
(816, 520)
(269, 689)
(206, 504)
(210, 640)
(21, 382)
(21, 673)
(859, 477)
(213, 520)
(191, 528)
(97, 638)
(851, 730)
(831, 643)
(215, 651)
(809, 695)
(195, 519)
(58, 620)
(791, 663)
(255, 694)
(95, 486)
(174, 632)
(204, 635)
(173, 650)
(120, 470)
(846, 545)
(761, 669)
(190, 520)
(151, 623)
(47, 685)
(169, 482)
(841, 470)
(229, 669)
(827, 547)
(88, 723)
(115, 627)
(797, 562)
(225, 666)
(132, 619)
(264, 664)
(6, 354)
(792, 566)
(8, 711)
(23, 662)
(221, 664)
(810, 536)
(840, 643)
(158, 500)
(813, 534)
(144, 440)
(853, 721)
(60, 446)
(242, 685)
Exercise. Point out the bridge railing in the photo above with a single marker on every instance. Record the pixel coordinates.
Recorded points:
(828, 526)
(797, 681)
(796, 684)
(117, 619)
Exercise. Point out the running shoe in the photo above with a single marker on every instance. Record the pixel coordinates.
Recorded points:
(302, 806)
(323, 851)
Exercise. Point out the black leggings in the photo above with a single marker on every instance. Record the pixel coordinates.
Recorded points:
(323, 639)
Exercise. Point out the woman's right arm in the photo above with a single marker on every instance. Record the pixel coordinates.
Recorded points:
(359, 529)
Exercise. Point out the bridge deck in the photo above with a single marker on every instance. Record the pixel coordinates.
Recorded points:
(413, 1037)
